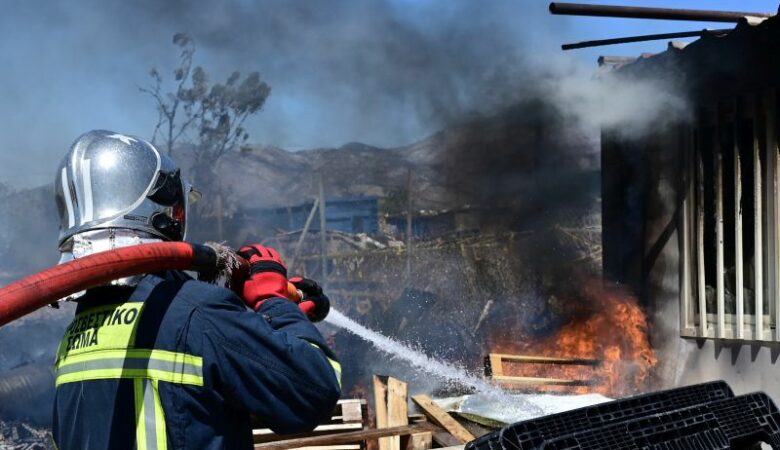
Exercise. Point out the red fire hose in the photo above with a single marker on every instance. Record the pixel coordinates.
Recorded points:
(36, 291)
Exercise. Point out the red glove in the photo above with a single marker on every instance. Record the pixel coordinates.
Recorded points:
(267, 275)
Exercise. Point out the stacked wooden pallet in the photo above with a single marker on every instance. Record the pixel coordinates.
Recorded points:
(495, 370)
(349, 415)
(396, 429)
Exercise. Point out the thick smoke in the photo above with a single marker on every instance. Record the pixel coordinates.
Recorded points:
(523, 119)
(383, 72)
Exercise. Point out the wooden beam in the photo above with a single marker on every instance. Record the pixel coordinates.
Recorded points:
(541, 381)
(419, 441)
(351, 412)
(397, 409)
(333, 447)
(320, 429)
(542, 360)
(347, 438)
(380, 408)
(440, 416)
(496, 365)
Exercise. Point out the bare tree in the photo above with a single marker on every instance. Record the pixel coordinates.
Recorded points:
(224, 111)
(177, 111)
(216, 114)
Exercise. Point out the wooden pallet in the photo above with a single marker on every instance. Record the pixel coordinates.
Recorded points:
(494, 370)
(349, 415)
(396, 429)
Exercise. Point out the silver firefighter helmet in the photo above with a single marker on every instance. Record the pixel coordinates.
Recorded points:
(109, 180)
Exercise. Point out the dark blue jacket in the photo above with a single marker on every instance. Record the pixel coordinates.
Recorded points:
(180, 364)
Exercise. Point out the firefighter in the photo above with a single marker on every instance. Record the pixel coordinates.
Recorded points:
(162, 360)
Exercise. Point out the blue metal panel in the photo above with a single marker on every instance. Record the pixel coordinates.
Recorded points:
(349, 215)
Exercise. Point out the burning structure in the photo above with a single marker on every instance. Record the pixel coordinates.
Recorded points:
(691, 209)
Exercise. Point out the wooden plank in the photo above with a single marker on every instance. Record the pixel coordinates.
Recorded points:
(496, 364)
(541, 381)
(319, 429)
(542, 360)
(266, 435)
(349, 437)
(739, 270)
(397, 409)
(380, 405)
(349, 414)
(352, 412)
(346, 401)
(419, 441)
(332, 447)
(440, 416)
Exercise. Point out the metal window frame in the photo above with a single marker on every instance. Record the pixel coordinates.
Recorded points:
(761, 109)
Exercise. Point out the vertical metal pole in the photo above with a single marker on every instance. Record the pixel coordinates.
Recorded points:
(719, 252)
(323, 236)
(702, 291)
(758, 214)
(738, 257)
(220, 229)
(769, 230)
(686, 306)
(302, 237)
(773, 219)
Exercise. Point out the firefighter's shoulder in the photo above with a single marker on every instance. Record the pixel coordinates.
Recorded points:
(206, 296)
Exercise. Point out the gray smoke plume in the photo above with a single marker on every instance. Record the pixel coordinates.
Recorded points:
(382, 72)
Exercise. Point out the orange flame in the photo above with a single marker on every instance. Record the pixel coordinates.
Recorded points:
(615, 332)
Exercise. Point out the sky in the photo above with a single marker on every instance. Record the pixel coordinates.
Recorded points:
(383, 72)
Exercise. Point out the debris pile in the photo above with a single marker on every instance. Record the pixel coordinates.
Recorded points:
(21, 436)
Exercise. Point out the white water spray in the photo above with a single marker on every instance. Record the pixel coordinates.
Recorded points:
(521, 409)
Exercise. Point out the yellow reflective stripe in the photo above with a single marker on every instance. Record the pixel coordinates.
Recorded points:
(333, 363)
(138, 353)
(161, 436)
(102, 374)
(161, 365)
(140, 423)
(150, 433)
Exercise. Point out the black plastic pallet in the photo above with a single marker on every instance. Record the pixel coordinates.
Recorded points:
(733, 423)
(531, 433)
